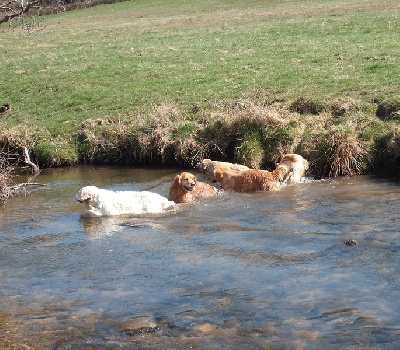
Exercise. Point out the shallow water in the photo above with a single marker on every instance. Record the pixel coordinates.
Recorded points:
(242, 271)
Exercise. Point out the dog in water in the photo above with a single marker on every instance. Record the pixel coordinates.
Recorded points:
(101, 202)
(291, 169)
(185, 188)
(213, 169)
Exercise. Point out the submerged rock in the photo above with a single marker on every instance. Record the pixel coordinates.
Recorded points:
(139, 325)
(350, 242)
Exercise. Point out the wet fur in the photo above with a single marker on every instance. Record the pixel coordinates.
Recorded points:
(299, 167)
(213, 169)
(253, 180)
(185, 188)
(101, 202)
(291, 169)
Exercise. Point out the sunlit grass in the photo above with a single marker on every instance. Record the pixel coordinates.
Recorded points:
(130, 56)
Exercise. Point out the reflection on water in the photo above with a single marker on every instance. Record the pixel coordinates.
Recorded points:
(242, 271)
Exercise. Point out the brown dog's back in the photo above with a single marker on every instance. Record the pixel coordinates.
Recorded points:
(233, 176)
(250, 180)
(214, 169)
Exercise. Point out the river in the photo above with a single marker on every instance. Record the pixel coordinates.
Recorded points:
(313, 266)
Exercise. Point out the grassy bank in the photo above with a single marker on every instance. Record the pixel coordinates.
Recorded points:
(173, 81)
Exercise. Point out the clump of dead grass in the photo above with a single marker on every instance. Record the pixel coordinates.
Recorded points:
(388, 110)
(18, 137)
(340, 107)
(393, 143)
(341, 153)
(263, 133)
(172, 137)
(165, 137)
(304, 105)
(105, 141)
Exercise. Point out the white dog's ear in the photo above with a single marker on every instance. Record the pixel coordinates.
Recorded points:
(85, 196)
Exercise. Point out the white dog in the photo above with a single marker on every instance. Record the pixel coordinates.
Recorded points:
(100, 202)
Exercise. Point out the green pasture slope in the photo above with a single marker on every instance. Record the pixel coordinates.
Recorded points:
(125, 60)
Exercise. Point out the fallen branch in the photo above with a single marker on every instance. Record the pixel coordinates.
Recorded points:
(8, 17)
(35, 169)
(19, 187)
(25, 184)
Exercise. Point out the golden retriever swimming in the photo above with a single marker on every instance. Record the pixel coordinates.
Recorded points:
(185, 188)
(299, 166)
(291, 168)
(213, 169)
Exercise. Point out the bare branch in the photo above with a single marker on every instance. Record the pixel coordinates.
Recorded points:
(35, 169)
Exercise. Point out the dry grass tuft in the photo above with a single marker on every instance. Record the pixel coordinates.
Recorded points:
(166, 114)
(248, 113)
(307, 106)
(262, 133)
(388, 110)
(109, 141)
(393, 144)
(340, 107)
(166, 138)
(341, 153)
(156, 145)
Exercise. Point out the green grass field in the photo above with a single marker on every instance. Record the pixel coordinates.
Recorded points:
(124, 60)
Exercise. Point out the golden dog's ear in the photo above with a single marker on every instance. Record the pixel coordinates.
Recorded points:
(178, 179)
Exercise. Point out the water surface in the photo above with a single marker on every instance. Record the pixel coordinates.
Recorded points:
(242, 271)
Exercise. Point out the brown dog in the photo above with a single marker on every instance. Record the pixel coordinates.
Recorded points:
(291, 168)
(253, 180)
(185, 188)
(213, 169)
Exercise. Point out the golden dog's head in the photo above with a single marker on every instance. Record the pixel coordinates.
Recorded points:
(207, 167)
(187, 181)
(297, 166)
(202, 166)
(213, 169)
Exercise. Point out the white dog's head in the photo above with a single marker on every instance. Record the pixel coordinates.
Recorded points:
(85, 194)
